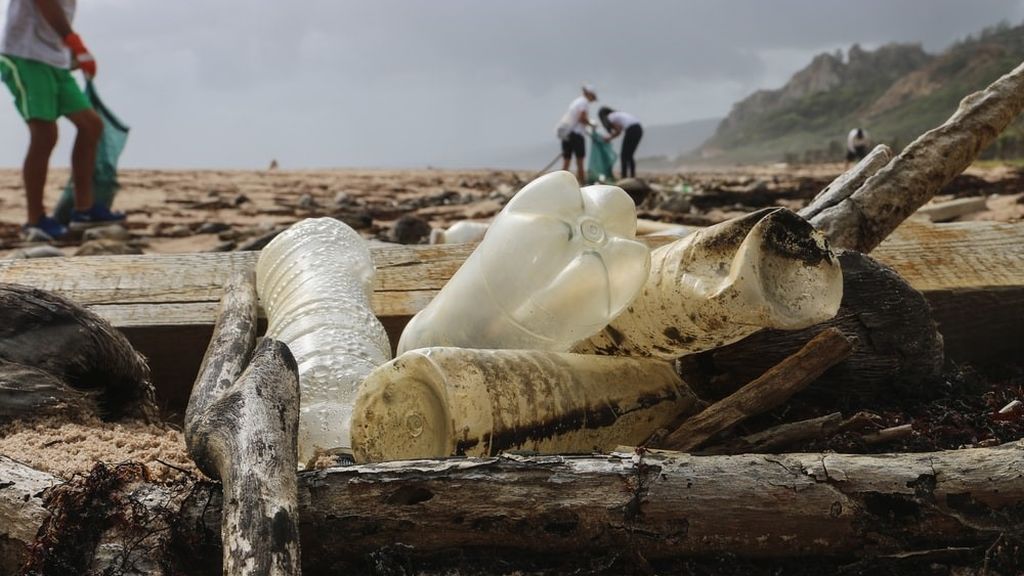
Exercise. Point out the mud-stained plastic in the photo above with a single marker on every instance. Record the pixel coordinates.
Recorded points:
(555, 266)
(436, 402)
(768, 269)
(315, 281)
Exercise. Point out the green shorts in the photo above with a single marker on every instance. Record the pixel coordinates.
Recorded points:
(41, 91)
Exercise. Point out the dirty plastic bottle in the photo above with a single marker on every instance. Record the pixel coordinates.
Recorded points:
(554, 267)
(315, 281)
(767, 269)
(435, 402)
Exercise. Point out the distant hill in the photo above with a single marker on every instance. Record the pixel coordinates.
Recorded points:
(896, 93)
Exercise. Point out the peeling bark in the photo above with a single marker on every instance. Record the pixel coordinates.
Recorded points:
(241, 427)
(658, 505)
(848, 182)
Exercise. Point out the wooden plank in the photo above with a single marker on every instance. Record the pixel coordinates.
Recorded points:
(183, 289)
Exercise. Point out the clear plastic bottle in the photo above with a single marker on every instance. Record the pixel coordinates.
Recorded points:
(435, 402)
(554, 267)
(768, 269)
(315, 280)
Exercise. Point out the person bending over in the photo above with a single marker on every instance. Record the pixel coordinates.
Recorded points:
(623, 123)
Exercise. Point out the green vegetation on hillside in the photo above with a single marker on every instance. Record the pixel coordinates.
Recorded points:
(896, 92)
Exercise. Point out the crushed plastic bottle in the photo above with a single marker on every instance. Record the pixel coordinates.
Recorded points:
(315, 280)
(436, 402)
(554, 267)
(768, 269)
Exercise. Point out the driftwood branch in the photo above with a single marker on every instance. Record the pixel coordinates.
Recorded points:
(848, 182)
(778, 438)
(886, 199)
(41, 332)
(771, 389)
(658, 506)
(241, 428)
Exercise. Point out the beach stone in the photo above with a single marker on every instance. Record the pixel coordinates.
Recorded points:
(637, 189)
(111, 232)
(240, 199)
(410, 229)
(212, 228)
(178, 231)
(44, 251)
(307, 202)
(106, 247)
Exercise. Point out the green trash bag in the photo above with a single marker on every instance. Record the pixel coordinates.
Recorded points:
(104, 179)
(602, 160)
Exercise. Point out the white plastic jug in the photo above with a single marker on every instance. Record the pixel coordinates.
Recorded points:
(315, 280)
(436, 402)
(554, 267)
(767, 269)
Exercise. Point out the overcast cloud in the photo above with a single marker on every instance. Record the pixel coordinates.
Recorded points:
(326, 83)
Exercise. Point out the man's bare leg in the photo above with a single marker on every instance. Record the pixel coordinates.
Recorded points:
(83, 155)
(42, 140)
(580, 174)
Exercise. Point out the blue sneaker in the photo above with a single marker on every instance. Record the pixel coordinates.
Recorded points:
(98, 215)
(46, 229)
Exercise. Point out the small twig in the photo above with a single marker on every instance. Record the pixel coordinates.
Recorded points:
(889, 434)
(179, 469)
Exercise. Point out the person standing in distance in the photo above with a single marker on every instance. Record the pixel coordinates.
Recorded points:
(572, 129)
(38, 52)
(856, 145)
(623, 123)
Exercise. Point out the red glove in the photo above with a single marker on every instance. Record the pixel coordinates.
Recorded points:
(81, 54)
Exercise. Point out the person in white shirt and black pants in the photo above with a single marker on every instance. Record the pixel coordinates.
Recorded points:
(572, 129)
(623, 123)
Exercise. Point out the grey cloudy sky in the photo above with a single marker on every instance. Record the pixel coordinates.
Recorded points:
(326, 83)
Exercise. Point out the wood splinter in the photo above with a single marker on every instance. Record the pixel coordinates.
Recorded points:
(241, 428)
(771, 389)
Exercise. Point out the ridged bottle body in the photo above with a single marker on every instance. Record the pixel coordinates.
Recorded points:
(555, 266)
(315, 281)
(435, 402)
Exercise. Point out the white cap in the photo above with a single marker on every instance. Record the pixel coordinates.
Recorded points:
(589, 88)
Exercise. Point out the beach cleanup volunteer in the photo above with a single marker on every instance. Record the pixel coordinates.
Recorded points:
(38, 51)
(623, 123)
(572, 128)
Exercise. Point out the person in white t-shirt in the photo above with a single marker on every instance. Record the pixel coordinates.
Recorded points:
(629, 126)
(38, 51)
(572, 128)
(856, 145)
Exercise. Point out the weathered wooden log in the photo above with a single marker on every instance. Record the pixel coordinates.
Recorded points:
(47, 332)
(21, 511)
(27, 391)
(767, 391)
(898, 350)
(241, 427)
(848, 182)
(662, 505)
(927, 164)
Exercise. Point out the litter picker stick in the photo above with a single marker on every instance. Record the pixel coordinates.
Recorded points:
(548, 167)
